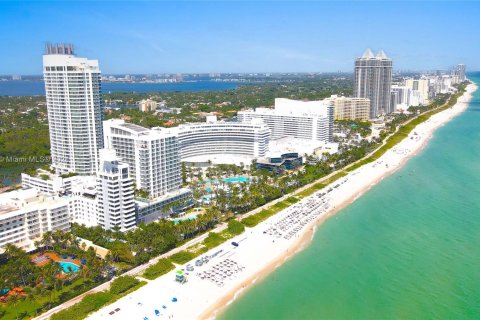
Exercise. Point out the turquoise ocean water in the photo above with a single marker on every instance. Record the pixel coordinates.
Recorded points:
(407, 249)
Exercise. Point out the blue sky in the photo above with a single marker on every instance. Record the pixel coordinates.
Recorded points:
(158, 37)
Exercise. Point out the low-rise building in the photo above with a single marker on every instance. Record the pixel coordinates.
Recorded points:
(50, 183)
(25, 215)
(149, 210)
(278, 164)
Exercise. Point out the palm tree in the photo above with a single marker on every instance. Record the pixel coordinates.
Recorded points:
(47, 240)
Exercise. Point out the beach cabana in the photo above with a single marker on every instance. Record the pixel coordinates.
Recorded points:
(180, 276)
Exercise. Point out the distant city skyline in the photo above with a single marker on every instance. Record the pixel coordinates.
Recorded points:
(240, 37)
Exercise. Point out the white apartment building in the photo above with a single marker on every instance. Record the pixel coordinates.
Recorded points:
(350, 108)
(106, 199)
(25, 215)
(74, 104)
(51, 183)
(312, 120)
(223, 142)
(115, 193)
(404, 97)
(83, 202)
(460, 71)
(152, 155)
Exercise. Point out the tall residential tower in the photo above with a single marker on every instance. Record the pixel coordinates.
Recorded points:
(459, 71)
(373, 80)
(74, 103)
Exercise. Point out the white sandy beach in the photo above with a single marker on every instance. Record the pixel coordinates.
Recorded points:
(263, 248)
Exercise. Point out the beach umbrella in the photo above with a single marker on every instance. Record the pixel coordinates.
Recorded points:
(164, 307)
(157, 312)
(174, 299)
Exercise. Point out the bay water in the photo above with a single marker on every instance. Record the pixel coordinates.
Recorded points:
(37, 88)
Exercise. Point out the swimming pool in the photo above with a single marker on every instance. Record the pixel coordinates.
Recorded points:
(192, 217)
(236, 179)
(229, 180)
(68, 267)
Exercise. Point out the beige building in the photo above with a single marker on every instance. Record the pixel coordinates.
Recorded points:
(350, 108)
(147, 105)
(421, 86)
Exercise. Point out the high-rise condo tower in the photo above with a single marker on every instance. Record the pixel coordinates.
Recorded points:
(373, 80)
(459, 71)
(74, 103)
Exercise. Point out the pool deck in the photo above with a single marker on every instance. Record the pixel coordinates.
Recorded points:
(54, 257)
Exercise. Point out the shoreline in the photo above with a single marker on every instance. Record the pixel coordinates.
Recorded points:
(259, 252)
(298, 246)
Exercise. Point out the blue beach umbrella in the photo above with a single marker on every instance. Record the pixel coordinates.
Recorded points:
(157, 313)
(174, 299)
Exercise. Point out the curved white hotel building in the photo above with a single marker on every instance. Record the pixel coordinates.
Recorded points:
(311, 120)
(222, 142)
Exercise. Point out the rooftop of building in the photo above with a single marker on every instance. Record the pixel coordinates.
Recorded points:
(212, 121)
(289, 144)
(59, 48)
(25, 198)
(368, 55)
(236, 159)
(134, 127)
(6, 208)
(289, 107)
(145, 203)
(136, 130)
